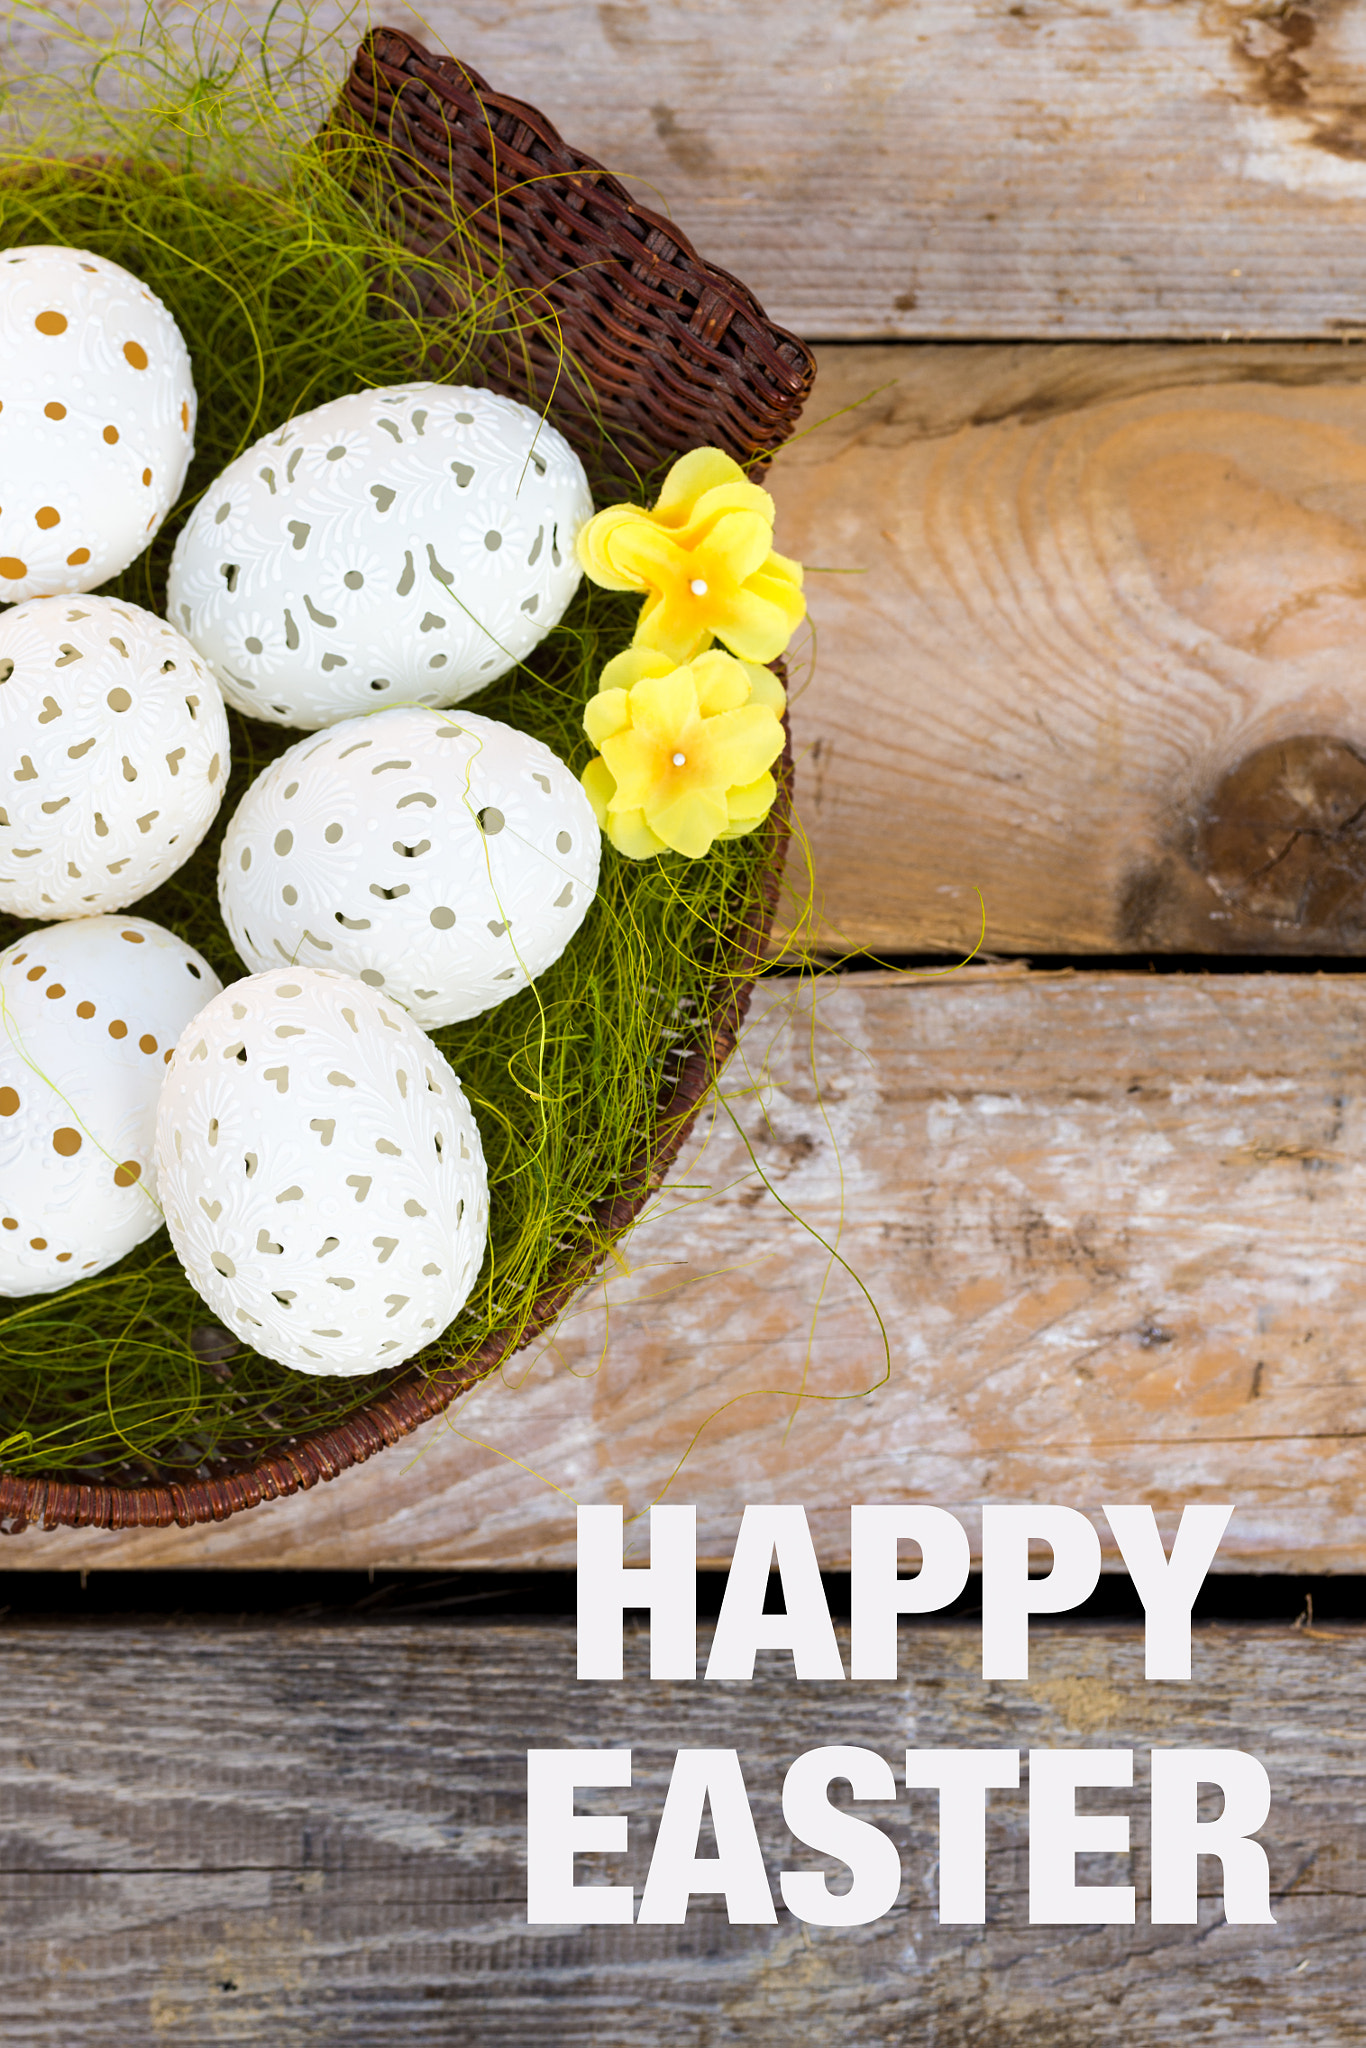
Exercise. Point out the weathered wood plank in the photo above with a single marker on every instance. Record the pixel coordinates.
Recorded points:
(330, 1846)
(964, 167)
(1113, 1225)
(1092, 647)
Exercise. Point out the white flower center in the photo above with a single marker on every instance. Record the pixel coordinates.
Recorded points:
(698, 586)
(680, 760)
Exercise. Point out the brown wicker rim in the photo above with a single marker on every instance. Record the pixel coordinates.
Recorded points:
(679, 322)
(675, 353)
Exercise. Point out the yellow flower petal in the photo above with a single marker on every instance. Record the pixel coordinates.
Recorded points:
(701, 469)
(765, 687)
(749, 806)
(600, 786)
(714, 508)
(606, 714)
(599, 540)
(703, 558)
(648, 552)
(735, 547)
(756, 627)
(627, 668)
(735, 746)
(639, 764)
(690, 822)
(665, 707)
(661, 628)
(630, 835)
(785, 569)
(723, 683)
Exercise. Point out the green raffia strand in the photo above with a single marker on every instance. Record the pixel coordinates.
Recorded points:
(287, 296)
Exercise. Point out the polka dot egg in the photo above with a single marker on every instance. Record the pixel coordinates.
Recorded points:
(113, 754)
(392, 547)
(97, 415)
(89, 1012)
(440, 856)
(322, 1174)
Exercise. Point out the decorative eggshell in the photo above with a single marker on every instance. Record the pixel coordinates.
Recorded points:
(392, 547)
(321, 1172)
(443, 857)
(89, 1012)
(98, 423)
(113, 754)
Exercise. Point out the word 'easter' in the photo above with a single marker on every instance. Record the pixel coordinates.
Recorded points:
(869, 1858)
(711, 1780)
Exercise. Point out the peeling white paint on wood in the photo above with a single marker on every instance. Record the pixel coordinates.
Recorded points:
(960, 168)
(1113, 1224)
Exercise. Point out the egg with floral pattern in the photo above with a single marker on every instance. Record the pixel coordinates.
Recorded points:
(404, 546)
(97, 418)
(443, 857)
(322, 1175)
(114, 742)
(89, 1013)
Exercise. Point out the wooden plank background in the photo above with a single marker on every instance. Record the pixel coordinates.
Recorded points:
(958, 168)
(1088, 630)
(1112, 1223)
(329, 1845)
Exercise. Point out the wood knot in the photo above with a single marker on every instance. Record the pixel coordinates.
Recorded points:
(1283, 836)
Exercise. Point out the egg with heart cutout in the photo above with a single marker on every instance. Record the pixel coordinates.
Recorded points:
(89, 1013)
(96, 422)
(391, 547)
(322, 1174)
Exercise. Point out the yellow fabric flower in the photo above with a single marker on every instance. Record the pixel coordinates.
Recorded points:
(704, 557)
(686, 751)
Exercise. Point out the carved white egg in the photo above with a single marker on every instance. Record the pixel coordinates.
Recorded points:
(391, 547)
(113, 754)
(89, 1013)
(97, 429)
(443, 857)
(321, 1172)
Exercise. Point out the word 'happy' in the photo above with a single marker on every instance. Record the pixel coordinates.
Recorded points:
(710, 1782)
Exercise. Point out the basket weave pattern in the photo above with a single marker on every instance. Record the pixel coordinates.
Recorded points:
(679, 355)
(675, 353)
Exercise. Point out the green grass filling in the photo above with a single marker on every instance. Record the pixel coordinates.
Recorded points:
(289, 293)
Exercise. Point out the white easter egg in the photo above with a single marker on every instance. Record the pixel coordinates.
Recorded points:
(321, 1173)
(89, 1013)
(97, 429)
(392, 547)
(113, 754)
(443, 857)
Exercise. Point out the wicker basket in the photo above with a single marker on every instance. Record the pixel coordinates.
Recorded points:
(676, 353)
(679, 355)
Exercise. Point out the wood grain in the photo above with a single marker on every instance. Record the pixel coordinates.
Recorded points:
(1088, 641)
(959, 168)
(329, 1845)
(1112, 1223)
